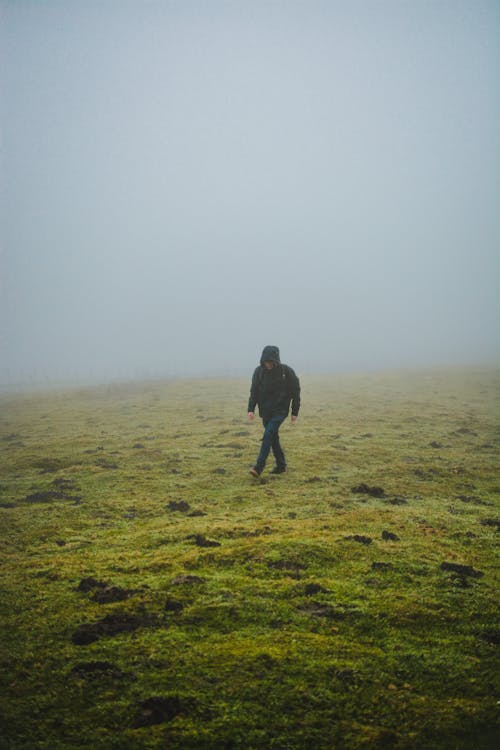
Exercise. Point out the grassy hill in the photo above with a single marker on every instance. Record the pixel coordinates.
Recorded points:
(154, 595)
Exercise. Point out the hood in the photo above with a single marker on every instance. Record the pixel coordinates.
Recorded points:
(270, 354)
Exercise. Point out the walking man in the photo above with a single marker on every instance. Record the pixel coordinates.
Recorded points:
(274, 387)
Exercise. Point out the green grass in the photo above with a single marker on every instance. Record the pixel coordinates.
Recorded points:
(254, 610)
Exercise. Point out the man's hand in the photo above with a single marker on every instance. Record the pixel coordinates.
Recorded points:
(294, 418)
(251, 416)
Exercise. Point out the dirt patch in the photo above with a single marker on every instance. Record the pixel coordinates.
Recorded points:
(111, 594)
(398, 501)
(103, 592)
(61, 489)
(461, 570)
(494, 522)
(311, 589)
(201, 541)
(359, 538)
(156, 710)
(111, 625)
(90, 583)
(173, 605)
(491, 635)
(365, 489)
(388, 536)
(179, 505)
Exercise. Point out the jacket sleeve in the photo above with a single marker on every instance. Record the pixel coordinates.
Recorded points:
(254, 391)
(294, 390)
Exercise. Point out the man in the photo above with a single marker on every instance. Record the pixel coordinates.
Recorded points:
(273, 387)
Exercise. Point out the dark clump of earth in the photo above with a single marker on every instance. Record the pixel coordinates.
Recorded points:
(201, 541)
(398, 501)
(312, 589)
(494, 522)
(365, 489)
(491, 635)
(461, 570)
(90, 583)
(103, 592)
(110, 625)
(46, 496)
(180, 505)
(111, 594)
(62, 489)
(156, 710)
(359, 538)
(388, 536)
(173, 605)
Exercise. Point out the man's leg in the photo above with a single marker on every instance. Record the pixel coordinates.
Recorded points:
(278, 454)
(270, 435)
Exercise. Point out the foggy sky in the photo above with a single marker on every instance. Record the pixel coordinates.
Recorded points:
(186, 182)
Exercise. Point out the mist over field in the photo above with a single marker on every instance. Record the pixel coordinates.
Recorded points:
(186, 182)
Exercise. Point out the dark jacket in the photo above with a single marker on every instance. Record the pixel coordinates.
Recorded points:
(273, 390)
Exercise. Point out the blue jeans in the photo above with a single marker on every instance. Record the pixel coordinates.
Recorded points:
(271, 441)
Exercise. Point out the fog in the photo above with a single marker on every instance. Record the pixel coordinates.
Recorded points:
(186, 182)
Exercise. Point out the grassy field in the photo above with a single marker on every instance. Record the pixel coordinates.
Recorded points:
(154, 595)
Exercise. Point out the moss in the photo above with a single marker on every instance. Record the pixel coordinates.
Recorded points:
(290, 633)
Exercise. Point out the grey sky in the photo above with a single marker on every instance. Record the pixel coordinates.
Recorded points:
(185, 182)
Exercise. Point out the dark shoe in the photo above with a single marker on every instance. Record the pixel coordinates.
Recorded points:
(278, 470)
(255, 472)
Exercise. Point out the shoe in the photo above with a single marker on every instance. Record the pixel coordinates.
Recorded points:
(278, 470)
(254, 471)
